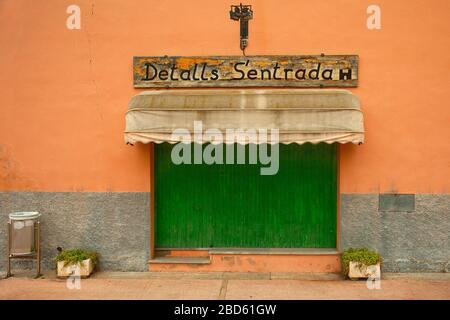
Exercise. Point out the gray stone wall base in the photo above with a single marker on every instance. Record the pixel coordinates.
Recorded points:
(115, 224)
(417, 241)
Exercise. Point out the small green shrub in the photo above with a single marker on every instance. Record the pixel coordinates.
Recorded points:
(75, 256)
(361, 255)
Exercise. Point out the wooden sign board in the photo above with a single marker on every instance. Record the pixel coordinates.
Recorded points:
(246, 71)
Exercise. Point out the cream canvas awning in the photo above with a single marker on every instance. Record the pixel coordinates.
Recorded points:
(300, 115)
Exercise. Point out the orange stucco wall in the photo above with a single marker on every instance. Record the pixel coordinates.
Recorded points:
(63, 93)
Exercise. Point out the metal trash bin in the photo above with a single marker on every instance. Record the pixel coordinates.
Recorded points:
(23, 236)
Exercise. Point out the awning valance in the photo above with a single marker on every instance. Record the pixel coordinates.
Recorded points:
(299, 115)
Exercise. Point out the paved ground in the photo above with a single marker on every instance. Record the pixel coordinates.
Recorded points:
(151, 286)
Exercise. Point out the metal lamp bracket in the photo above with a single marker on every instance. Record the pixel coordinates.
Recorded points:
(242, 13)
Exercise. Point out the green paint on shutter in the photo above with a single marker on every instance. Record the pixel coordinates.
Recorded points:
(201, 206)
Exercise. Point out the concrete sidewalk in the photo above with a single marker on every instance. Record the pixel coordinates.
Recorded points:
(226, 286)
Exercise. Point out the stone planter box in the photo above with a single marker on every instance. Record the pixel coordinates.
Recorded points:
(359, 270)
(83, 269)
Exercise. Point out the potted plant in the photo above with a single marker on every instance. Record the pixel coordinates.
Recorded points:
(76, 262)
(361, 263)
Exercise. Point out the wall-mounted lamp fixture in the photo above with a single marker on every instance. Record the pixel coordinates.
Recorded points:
(242, 13)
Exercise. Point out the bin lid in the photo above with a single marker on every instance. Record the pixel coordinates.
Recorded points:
(26, 215)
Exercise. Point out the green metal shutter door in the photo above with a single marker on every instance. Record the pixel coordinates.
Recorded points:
(201, 206)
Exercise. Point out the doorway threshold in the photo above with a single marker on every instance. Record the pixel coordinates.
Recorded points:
(282, 251)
